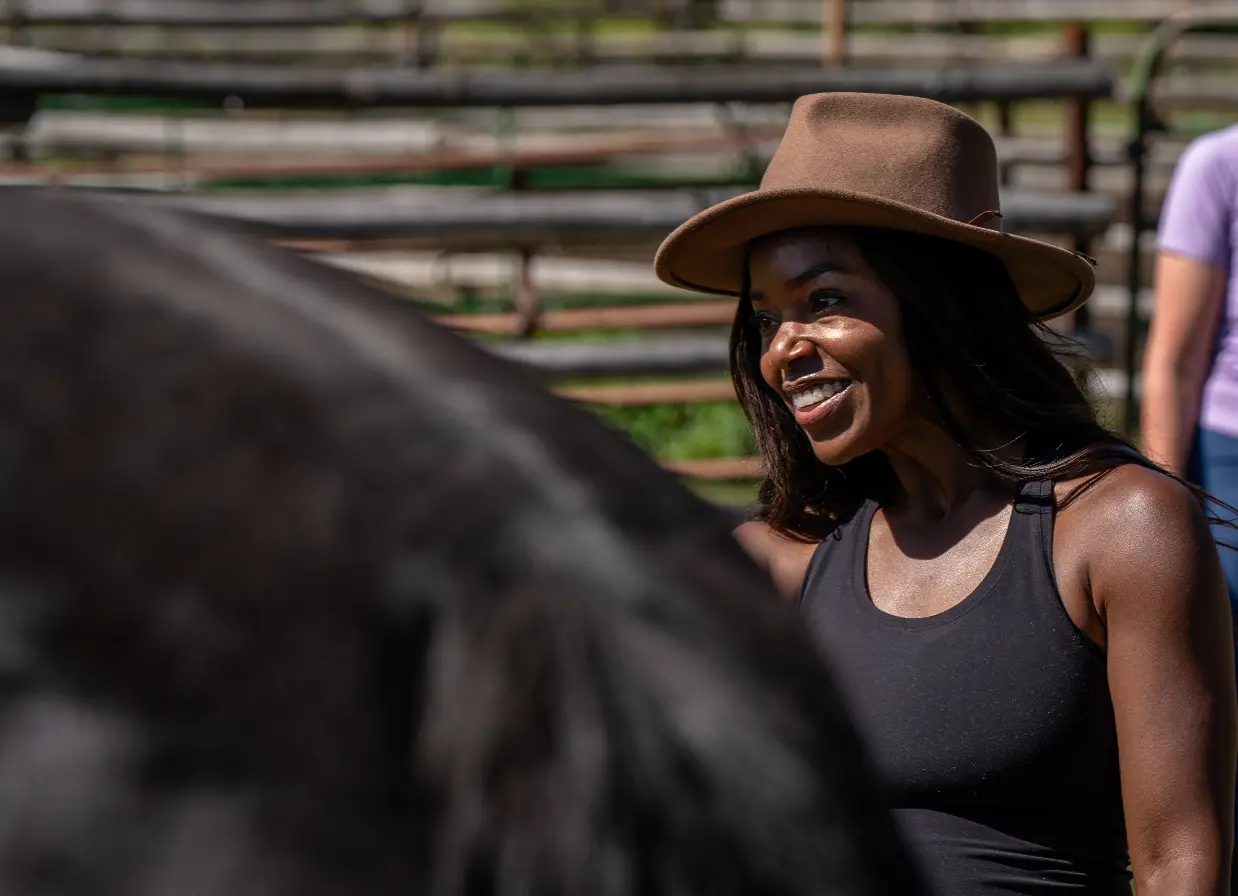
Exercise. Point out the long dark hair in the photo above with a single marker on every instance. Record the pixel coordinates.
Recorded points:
(964, 327)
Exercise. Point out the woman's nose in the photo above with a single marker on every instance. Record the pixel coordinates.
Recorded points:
(794, 353)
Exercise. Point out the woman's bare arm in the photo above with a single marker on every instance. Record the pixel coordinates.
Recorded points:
(1188, 301)
(784, 561)
(1193, 240)
(1157, 582)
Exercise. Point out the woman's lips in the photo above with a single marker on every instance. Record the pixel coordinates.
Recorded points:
(815, 413)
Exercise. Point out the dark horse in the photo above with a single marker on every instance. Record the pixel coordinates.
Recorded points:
(301, 594)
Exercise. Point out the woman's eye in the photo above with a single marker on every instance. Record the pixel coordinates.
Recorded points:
(766, 322)
(823, 300)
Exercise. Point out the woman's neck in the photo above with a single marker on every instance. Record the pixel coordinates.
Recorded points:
(936, 475)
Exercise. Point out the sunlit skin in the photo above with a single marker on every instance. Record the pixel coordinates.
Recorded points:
(1163, 624)
(824, 316)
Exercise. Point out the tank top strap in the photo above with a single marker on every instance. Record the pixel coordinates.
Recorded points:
(1036, 493)
(1033, 511)
(838, 556)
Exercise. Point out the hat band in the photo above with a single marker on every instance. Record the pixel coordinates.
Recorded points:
(990, 220)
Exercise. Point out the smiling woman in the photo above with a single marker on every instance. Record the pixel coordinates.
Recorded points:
(969, 545)
(896, 309)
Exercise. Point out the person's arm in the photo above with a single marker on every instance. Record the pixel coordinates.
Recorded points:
(1189, 284)
(1156, 580)
(1189, 294)
(784, 561)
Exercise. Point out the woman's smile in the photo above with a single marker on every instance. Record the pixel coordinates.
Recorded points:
(813, 401)
(830, 341)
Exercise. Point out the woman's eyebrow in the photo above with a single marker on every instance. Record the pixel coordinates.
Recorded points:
(804, 276)
(812, 273)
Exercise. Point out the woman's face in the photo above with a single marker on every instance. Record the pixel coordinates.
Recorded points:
(831, 342)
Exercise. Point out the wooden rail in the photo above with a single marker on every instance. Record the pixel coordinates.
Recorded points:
(679, 356)
(329, 46)
(199, 167)
(205, 13)
(309, 13)
(949, 12)
(359, 88)
(716, 468)
(663, 356)
(281, 13)
(203, 169)
(548, 220)
(679, 315)
(643, 394)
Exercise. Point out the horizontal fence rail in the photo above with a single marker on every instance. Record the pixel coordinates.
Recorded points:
(949, 12)
(275, 13)
(206, 149)
(625, 357)
(556, 219)
(659, 356)
(43, 73)
(292, 13)
(205, 13)
(643, 394)
(337, 46)
(670, 316)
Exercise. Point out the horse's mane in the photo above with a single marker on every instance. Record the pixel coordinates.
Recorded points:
(302, 594)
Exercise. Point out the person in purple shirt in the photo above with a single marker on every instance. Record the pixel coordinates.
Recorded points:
(1190, 371)
(1190, 402)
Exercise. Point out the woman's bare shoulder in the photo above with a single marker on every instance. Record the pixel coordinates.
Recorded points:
(762, 540)
(1132, 524)
(1132, 494)
(785, 560)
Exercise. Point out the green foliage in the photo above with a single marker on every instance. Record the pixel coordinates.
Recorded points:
(731, 494)
(684, 431)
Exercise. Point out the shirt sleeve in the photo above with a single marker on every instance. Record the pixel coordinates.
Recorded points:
(1195, 220)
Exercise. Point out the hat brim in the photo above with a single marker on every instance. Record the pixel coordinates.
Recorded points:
(708, 252)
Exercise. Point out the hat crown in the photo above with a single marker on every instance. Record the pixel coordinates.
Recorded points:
(910, 150)
(878, 161)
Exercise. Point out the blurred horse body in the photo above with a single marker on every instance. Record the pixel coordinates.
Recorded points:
(302, 594)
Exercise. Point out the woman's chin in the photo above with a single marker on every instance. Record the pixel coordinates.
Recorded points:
(837, 451)
(839, 441)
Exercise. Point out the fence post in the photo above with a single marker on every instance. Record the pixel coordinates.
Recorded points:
(1005, 128)
(1078, 145)
(19, 35)
(834, 32)
(527, 300)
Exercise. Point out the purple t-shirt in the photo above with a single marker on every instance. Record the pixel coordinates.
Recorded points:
(1200, 222)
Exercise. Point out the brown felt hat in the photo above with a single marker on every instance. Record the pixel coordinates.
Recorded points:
(875, 160)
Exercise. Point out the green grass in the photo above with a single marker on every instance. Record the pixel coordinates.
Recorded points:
(731, 494)
(685, 431)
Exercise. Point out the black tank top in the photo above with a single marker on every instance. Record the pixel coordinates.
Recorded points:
(990, 724)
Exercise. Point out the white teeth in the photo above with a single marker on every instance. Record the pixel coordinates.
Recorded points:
(818, 394)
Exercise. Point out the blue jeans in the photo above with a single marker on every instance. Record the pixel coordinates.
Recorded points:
(1214, 467)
